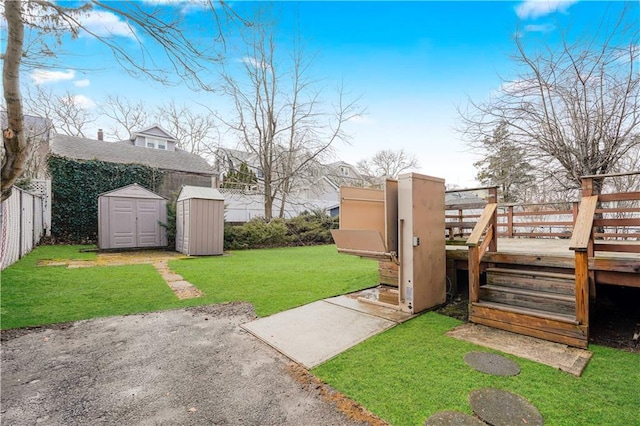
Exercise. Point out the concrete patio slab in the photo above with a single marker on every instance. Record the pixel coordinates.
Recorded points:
(314, 333)
(563, 357)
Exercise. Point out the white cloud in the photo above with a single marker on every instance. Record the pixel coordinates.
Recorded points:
(105, 24)
(82, 83)
(255, 63)
(83, 101)
(41, 76)
(186, 6)
(541, 28)
(538, 8)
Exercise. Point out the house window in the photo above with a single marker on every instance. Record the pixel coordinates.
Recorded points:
(156, 143)
(344, 171)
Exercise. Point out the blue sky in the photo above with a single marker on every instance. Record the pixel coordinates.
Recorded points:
(411, 63)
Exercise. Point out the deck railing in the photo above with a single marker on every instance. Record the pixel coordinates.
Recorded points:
(617, 219)
(482, 239)
(461, 214)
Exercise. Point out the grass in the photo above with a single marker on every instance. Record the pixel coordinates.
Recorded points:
(273, 280)
(412, 371)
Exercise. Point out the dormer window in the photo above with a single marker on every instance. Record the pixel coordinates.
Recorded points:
(156, 143)
(344, 171)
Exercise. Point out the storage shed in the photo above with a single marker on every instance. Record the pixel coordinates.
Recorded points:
(200, 221)
(130, 217)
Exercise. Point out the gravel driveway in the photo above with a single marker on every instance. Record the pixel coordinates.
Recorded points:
(187, 366)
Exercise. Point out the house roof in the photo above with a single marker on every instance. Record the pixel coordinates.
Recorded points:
(155, 131)
(34, 125)
(199, 192)
(89, 149)
(132, 191)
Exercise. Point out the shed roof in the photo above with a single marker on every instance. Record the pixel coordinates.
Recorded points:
(199, 192)
(89, 149)
(132, 191)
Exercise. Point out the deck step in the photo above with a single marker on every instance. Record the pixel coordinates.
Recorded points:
(526, 298)
(548, 282)
(569, 319)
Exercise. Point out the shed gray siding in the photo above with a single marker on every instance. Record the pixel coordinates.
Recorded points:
(130, 217)
(200, 222)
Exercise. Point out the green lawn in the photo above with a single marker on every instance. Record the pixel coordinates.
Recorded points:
(278, 279)
(273, 280)
(412, 371)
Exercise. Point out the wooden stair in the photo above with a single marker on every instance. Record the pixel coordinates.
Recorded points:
(535, 303)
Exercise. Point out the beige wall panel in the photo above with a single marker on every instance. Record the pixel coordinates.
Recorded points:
(421, 212)
(362, 208)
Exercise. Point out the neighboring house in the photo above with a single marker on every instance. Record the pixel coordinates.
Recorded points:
(317, 188)
(153, 147)
(37, 131)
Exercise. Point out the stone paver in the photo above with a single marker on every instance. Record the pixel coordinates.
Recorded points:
(502, 408)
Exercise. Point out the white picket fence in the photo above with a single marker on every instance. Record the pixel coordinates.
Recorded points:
(24, 222)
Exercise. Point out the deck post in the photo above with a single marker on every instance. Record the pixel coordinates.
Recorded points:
(493, 244)
(474, 274)
(510, 221)
(587, 186)
(582, 287)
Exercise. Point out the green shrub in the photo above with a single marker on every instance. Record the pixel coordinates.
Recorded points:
(306, 229)
(311, 228)
(171, 224)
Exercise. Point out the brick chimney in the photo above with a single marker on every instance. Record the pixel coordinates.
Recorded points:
(100, 135)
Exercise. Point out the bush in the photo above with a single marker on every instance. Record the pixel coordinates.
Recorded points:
(306, 229)
(311, 228)
(171, 224)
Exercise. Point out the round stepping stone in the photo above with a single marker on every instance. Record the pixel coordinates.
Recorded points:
(453, 418)
(502, 408)
(489, 363)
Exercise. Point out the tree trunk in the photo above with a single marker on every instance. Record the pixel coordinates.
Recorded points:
(13, 137)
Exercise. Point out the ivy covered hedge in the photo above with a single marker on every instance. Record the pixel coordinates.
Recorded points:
(75, 186)
(306, 229)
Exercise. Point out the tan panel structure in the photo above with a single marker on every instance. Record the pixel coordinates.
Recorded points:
(362, 208)
(368, 222)
(200, 221)
(400, 225)
(422, 244)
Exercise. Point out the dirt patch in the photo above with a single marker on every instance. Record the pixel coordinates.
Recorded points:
(350, 408)
(137, 257)
(186, 366)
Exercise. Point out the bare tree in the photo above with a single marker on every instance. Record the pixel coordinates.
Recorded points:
(387, 163)
(196, 132)
(47, 21)
(126, 116)
(66, 112)
(280, 115)
(572, 109)
(13, 136)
